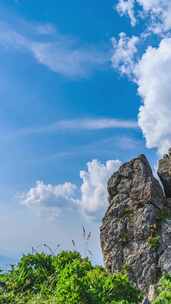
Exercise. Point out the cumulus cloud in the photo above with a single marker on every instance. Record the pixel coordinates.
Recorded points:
(147, 62)
(91, 199)
(127, 8)
(61, 54)
(124, 52)
(158, 13)
(153, 74)
(50, 199)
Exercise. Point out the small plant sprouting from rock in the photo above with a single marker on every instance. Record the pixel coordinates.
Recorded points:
(126, 268)
(124, 237)
(127, 212)
(164, 215)
(154, 242)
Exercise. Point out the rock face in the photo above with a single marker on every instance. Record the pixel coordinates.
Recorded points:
(136, 232)
(164, 172)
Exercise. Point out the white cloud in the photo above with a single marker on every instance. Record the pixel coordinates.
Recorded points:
(50, 199)
(149, 69)
(158, 13)
(84, 124)
(70, 61)
(91, 199)
(61, 54)
(127, 8)
(153, 74)
(125, 50)
(94, 198)
(96, 124)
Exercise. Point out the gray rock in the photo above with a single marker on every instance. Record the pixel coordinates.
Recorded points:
(132, 236)
(165, 258)
(146, 301)
(164, 173)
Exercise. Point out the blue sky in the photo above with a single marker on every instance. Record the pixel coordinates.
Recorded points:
(62, 105)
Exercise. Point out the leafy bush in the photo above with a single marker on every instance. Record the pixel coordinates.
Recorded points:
(32, 272)
(164, 291)
(66, 278)
(71, 287)
(107, 289)
(64, 259)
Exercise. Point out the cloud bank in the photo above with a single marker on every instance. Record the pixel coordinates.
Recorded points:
(49, 199)
(90, 199)
(146, 60)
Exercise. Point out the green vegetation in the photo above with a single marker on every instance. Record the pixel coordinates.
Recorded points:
(66, 278)
(126, 268)
(127, 212)
(163, 216)
(125, 237)
(164, 291)
(154, 242)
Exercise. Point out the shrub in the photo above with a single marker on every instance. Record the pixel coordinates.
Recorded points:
(66, 278)
(71, 287)
(64, 259)
(107, 289)
(164, 291)
(32, 272)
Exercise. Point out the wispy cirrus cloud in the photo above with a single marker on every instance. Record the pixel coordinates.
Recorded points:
(96, 124)
(76, 125)
(60, 53)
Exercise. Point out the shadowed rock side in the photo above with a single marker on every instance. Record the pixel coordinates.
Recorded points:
(135, 234)
(164, 172)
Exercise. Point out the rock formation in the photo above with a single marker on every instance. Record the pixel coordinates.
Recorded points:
(136, 230)
(164, 172)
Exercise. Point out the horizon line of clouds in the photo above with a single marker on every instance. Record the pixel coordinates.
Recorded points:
(60, 53)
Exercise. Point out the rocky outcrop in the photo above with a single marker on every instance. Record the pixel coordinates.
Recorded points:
(164, 172)
(136, 230)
